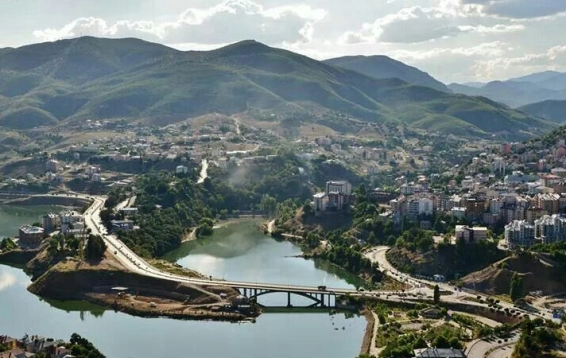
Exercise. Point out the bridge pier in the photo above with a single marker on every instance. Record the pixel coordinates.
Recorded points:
(289, 300)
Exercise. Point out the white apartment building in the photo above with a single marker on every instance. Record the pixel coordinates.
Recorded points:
(550, 228)
(519, 233)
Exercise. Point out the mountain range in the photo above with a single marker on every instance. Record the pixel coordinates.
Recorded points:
(520, 91)
(52, 84)
(551, 110)
(386, 67)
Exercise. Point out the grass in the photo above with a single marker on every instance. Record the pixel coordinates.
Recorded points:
(174, 269)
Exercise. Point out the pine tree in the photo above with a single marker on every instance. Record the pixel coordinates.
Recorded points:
(436, 296)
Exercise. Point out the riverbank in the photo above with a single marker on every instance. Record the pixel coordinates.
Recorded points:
(49, 200)
(138, 295)
(192, 234)
(18, 257)
(369, 336)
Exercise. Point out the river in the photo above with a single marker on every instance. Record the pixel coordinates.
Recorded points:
(238, 251)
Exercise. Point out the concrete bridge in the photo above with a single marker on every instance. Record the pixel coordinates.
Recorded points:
(319, 298)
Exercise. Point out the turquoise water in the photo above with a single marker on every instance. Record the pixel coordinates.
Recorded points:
(254, 257)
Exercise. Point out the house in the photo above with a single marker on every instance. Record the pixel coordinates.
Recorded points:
(129, 211)
(9, 342)
(125, 225)
(439, 353)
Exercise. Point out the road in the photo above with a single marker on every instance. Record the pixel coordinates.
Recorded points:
(378, 255)
(496, 348)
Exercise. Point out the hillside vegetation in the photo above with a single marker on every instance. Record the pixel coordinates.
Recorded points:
(551, 110)
(51, 84)
(386, 67)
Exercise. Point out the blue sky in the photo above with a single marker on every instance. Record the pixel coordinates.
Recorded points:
(453, 40)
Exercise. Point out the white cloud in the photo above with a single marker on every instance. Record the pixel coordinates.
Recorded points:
(503, 67)
(409, 25)
(499, 28)
(519, 9)
(6, 280)
(229, 21)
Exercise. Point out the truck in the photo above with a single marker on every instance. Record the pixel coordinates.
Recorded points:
(322, 288)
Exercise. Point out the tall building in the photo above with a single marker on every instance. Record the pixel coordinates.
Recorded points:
(49, 221)
(341, 187)
(550, 228)
(519, 233)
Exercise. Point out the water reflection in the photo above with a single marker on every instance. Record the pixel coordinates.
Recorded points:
(6, 280)
(84, 308)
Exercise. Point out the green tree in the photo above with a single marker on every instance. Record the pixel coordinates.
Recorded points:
(95, 248)
(436, 294)
(53, 245)
(516, 290)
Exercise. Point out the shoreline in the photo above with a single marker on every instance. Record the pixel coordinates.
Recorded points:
(368, 341)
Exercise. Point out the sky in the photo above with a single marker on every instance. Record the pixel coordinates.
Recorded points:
(453, 40)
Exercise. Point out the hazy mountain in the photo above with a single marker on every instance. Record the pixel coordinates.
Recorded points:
(51, 84)
(551, 110)
(520, 91)
(385, 67)
(513, 94)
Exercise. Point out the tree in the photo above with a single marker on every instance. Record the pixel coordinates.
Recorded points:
(53, 246)
(95, 248)
(268, 204)
(516, 290)
(436, 295)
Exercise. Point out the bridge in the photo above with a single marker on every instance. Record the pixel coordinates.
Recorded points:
(319, 298)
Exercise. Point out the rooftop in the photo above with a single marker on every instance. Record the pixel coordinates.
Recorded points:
(439, 353)
(27, 229)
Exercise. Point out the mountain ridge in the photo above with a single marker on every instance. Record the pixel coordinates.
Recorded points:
(520, 91)
(380, 67)
(92, 78)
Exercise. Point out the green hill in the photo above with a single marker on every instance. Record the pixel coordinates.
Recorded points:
(386, 67)
(551, 110)
(90, 78)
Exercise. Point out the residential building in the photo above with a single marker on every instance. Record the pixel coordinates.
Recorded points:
(548, 202)
(129, 211)
(181, 169)
(49, 222)
(550, 229)
(519, 233)
(52, 166)
(420, 206)
(125, 225)
(470, 234)
(320, 200)
(336, 196)
(342, 187)
(30, 235)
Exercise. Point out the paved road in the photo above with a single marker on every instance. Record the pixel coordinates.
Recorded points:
(378, 255)
(497, 348)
